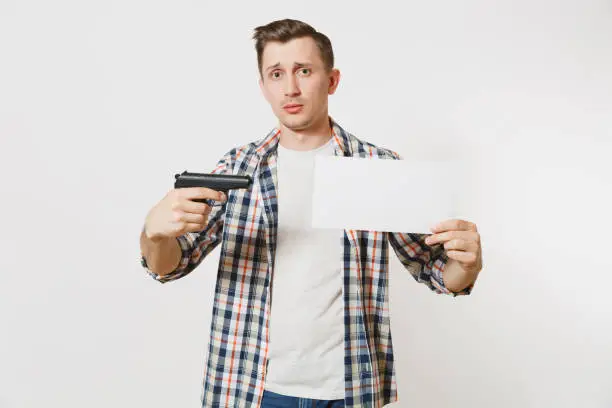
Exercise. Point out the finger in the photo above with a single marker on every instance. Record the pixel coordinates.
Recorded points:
(191, 193)
(462, 256)
(461, 245)
(193, 207)
(454, 225)
(447, 236)
(191, 218)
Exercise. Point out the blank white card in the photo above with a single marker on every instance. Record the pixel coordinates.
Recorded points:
(384, 194)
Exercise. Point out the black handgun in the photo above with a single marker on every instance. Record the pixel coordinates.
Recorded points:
(217, 182)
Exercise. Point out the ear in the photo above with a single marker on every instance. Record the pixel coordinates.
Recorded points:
(334, 80)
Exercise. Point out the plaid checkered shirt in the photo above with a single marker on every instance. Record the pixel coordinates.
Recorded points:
(246, 225)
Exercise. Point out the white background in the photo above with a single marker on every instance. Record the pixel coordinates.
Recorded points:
(101, 102)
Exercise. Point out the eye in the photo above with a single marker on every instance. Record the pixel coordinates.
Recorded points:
(275, 74)
(304, 71)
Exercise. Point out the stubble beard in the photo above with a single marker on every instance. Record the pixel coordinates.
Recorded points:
(297, 123)
(294, 123)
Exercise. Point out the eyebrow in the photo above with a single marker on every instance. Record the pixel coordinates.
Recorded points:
(295, 64)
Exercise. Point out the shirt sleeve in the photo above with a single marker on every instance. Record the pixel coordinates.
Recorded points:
(425, 263)
(196, 245)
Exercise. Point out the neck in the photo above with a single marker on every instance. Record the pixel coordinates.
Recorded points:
(306, 139)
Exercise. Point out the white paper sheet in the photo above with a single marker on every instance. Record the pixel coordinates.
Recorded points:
(384, 194)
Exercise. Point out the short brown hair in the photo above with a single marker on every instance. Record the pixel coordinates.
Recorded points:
(288, 29)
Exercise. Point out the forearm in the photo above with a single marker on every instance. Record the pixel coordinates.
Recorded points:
(163, 255)
(456, 278)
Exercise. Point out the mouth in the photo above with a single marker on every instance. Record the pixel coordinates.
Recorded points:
(293, 107)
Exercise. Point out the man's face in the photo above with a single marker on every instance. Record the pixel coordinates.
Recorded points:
(295, 83)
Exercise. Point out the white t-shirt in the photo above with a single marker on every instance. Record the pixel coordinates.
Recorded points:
(306, 348)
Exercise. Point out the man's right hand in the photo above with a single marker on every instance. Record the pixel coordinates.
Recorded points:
(177, 214)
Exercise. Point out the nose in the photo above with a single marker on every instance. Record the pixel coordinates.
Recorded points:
(292, 88)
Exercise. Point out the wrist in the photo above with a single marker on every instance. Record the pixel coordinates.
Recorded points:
(154, 238)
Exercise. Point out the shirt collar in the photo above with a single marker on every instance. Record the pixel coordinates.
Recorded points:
(342, 145)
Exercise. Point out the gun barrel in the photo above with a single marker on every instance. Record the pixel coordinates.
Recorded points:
(218, 182)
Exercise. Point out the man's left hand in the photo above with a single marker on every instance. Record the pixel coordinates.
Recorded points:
(461, 242)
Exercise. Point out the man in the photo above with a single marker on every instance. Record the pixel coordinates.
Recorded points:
(300, 316)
